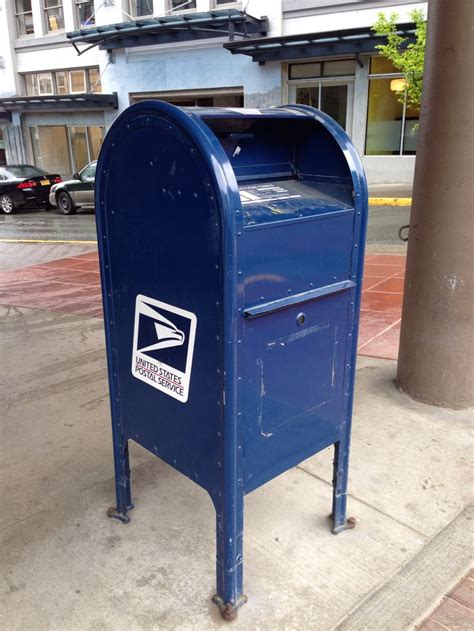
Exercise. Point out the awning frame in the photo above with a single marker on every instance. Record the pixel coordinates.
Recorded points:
(356, 41)
(59, 102)
(170, 29)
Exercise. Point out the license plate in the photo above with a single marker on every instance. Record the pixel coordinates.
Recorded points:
(45, 182)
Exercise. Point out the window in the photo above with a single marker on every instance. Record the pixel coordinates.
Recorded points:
(96, 136)
(94, 80)
(85, 13)
(141, 7)
(3, 159)
(88, 174)
(65, 150)
(62, 83)
(79, 147)
(392, 126)
(31, 83)
(50, 148)
(24, 17)
(45, 83)
(218, 2)
(331, 98)
(345, 67)
(54, 16)
(182, 5)
(325, 85)
(77, 81)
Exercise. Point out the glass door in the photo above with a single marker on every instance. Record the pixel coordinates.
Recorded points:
(332, 97)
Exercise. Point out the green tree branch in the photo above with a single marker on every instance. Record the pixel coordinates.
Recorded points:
(409, 59)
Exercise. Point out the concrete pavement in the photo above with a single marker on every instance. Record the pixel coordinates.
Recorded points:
(66, 566)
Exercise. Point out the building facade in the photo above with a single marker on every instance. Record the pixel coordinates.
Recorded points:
(255, 53)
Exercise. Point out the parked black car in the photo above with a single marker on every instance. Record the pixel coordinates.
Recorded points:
(70, 195)
(24, 185)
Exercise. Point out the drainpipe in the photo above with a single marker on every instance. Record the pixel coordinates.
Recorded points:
(436, 359)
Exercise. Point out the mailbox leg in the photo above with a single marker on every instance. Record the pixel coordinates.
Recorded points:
(339, 486)
(122, 483)
(229, 568)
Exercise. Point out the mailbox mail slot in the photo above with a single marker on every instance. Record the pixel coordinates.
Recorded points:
(231, 249)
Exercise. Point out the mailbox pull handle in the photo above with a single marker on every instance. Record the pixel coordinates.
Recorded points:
(289, 301)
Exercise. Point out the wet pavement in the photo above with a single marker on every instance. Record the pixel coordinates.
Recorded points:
(50, 225)
(384, 222)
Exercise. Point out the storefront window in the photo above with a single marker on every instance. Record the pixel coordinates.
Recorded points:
(64, 150)
(2, 148)
(80, 154)
(328, 96)
(54, 15)
(24, 17)
(50, 147)
(96, 136)
(392, 126)
(85, 13)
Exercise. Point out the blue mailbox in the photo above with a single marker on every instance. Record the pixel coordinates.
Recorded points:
(231, 251)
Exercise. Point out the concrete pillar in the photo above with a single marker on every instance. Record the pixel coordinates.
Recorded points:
(436, 356)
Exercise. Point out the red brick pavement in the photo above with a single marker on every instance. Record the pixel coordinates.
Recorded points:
(72, 285)
(456, 610)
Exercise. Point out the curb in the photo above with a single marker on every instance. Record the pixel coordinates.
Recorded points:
(411, 594)
(389, 201)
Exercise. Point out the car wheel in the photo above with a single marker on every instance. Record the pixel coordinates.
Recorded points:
(65, 203)
(7, 204)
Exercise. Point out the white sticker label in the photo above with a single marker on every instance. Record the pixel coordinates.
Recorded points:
(263, 193)
(163, 345)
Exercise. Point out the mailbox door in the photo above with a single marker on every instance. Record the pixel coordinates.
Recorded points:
(294, 384)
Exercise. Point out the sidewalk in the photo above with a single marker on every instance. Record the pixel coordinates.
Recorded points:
(72, 285)
(66, 566)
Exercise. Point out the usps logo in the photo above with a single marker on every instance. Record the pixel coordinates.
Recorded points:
(163, 346)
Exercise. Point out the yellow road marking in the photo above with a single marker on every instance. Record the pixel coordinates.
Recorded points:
(373, 201)
(389, 201)
(44, 241)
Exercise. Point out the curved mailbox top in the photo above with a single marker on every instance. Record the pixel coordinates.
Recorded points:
(294, 143)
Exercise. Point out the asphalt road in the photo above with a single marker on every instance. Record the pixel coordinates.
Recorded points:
(384, 222)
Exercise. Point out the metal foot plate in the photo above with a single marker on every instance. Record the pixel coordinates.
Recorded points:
(228, 610)
(114, 514)
(349, 524)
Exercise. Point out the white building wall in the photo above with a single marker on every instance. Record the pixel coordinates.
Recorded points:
(294, 24)
(7, 52)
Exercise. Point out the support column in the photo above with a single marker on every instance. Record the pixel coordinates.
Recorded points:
(436, 358)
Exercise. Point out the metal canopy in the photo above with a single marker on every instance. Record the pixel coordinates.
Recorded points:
(60, 102)
(172, 28)
(331, 43)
